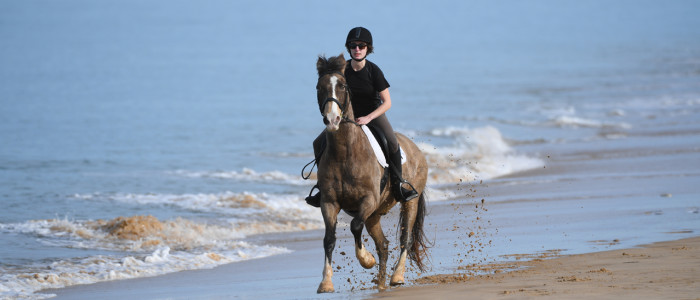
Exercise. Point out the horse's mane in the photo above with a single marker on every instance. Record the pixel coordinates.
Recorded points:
(330, 65)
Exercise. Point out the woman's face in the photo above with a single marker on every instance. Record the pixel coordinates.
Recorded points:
(358, 50)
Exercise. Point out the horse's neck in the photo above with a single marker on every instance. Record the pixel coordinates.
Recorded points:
(345, 143)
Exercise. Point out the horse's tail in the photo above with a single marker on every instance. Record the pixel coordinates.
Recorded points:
(419, 247)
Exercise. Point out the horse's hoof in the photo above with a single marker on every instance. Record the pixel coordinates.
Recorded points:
(396, 283)
(325, 287)
(369, 263)
(366, 259)
(397, 279)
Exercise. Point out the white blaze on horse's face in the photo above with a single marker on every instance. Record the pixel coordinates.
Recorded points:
(332, 111)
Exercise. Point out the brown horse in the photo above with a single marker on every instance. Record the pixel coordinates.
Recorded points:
(349, 178)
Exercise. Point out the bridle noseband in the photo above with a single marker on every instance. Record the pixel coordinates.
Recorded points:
(331, 99)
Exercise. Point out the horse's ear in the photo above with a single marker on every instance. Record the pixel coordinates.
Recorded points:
(337, 63)
(321, 64)
(342, 57)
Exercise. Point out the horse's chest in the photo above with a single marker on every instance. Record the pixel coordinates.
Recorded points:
(349, 174)
(349, 185)
(352, 185)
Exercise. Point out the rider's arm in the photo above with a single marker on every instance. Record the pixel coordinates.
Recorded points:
(386, 104)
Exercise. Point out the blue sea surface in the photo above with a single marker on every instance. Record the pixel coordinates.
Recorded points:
(190, 111)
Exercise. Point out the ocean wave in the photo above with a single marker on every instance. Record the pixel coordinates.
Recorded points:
(156, 247)
(575, 122)
(480, 153)
(106, 268)
(136, 233)
(249, 213)
(246, 174)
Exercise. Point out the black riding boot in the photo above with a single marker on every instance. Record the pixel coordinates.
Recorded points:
(319, 147)
(400, 192)
(314, 200)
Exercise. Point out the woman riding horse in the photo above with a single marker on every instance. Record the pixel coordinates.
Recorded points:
(350, 179)
(370, 101)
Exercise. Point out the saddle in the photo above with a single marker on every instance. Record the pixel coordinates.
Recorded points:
(379, 145)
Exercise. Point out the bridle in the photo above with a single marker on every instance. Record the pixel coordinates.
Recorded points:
(343, 107)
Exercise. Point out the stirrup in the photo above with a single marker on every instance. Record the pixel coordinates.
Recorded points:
(314, 200)
(405, 194)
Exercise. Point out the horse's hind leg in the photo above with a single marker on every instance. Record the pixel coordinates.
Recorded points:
(330, 214)
(366, 259)
(408, 211)
(374, 227)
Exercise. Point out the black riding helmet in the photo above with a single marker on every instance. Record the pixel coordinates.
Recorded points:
(360, 34)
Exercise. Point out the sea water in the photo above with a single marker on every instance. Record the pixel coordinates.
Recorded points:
(142, 138)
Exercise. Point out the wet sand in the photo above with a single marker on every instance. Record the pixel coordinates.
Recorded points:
(665, 270)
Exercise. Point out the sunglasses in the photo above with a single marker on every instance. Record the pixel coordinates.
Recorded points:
(361, 45)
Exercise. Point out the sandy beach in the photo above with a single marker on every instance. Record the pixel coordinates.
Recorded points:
(665, 270)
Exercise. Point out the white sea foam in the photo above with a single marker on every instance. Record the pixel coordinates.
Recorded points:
(24, 283)
(151, 247)
(575, 122)
(567, 117)
(479, 153)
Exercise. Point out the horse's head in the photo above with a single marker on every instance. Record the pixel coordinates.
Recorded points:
(332, 91)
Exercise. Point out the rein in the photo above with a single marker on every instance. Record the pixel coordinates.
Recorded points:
(347, 120)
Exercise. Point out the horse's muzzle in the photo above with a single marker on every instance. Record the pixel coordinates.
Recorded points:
(332, 121)
(332, 114)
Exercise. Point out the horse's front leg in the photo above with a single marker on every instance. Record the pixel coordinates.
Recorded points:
(366, 259)
(374, 227)
(330, 215)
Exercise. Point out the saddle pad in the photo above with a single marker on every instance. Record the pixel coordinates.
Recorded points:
(378, 150)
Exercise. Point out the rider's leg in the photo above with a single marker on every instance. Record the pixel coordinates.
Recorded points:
(400, 192)
(397, 180)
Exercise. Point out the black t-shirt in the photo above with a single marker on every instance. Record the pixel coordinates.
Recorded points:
(365, 86)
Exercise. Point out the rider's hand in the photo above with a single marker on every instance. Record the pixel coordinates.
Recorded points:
(363, 120)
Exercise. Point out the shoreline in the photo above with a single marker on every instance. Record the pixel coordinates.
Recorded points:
(668, 269)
